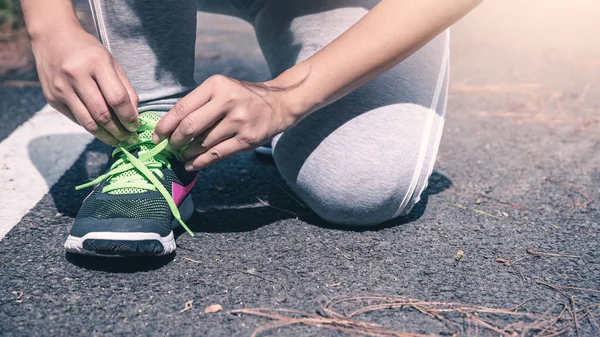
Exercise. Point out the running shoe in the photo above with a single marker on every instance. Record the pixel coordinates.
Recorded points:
(135, 205)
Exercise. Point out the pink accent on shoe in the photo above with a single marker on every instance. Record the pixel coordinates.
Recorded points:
(180, 192)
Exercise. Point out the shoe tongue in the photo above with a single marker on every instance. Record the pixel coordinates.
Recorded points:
(149, 119)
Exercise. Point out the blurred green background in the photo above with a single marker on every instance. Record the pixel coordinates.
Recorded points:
(10, 11)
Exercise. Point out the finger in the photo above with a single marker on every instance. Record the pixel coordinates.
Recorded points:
(84, 119)
(196, 123)
(183, 108)
(64, 109)
(215, 154)
(135, 99)
(117, 96)
(90, 95)
(209, 138)
(55, 102)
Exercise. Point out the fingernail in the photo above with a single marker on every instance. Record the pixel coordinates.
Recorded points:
(134, 126)
(113, 143)
(155, 139)
(132, 140)
(189, 167)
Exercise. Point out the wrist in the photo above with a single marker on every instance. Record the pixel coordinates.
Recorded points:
(45, 29)
(294, 93)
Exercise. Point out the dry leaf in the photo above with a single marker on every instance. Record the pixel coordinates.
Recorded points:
(503, 261)
(459, 255)
(213, 308)
(18, 293)
(188, 305)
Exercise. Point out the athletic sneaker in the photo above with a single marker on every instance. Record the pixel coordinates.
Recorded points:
(135, 205)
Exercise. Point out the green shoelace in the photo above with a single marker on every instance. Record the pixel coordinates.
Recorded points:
(146, 166)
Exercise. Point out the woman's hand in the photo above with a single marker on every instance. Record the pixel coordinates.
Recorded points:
(80, 79)
(224, 116)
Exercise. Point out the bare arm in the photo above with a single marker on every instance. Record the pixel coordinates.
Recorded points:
(389, 33)
(224, 116)
(42, 16)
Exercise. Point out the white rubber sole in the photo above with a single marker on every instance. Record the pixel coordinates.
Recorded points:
(75, 244)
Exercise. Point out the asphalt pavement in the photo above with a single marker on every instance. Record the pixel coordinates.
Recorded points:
(518, 170)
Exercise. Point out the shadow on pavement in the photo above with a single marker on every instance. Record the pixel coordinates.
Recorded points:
(285, 206)
(90, 164)
(238, 195)
(50, 162)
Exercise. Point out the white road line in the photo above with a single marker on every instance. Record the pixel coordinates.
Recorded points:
(32, 159)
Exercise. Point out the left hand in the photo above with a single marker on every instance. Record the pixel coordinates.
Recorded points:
(224, 116)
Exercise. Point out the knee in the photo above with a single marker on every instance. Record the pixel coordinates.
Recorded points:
(350, 204)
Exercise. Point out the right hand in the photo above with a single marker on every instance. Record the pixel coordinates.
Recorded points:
(80, 79)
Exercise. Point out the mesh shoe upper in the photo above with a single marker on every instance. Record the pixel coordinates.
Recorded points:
(118, 204)
(144, 205)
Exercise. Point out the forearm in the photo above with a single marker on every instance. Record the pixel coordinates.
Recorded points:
(42, 16)
(388, 34)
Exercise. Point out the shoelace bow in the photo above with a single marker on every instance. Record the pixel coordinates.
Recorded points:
(145, 167)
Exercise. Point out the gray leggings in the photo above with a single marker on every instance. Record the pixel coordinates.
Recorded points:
(362, 160)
